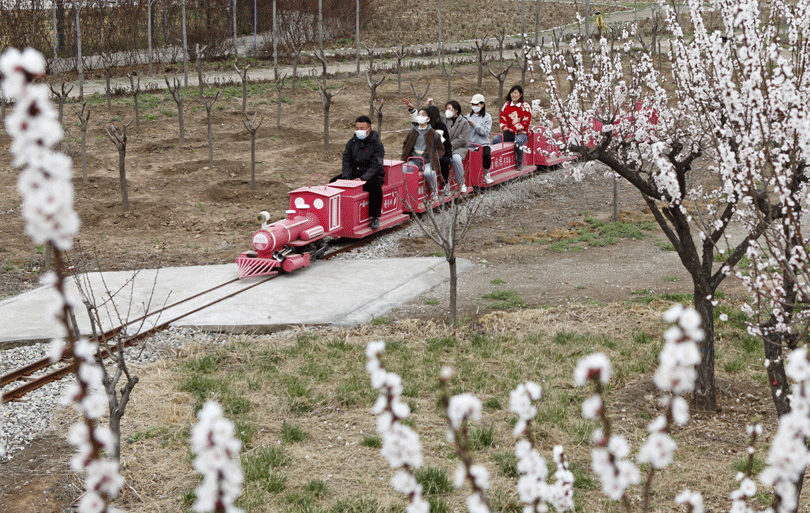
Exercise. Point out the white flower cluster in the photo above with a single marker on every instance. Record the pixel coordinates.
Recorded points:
(693, 499)
(676, 370)
(534, 492)
(676, 376)
(789, 455)
(462, 407)
(47, 193)
(102, 479)
(609, 459)
(217, 449)
(400, 444)
(614, 470)
(521, 403)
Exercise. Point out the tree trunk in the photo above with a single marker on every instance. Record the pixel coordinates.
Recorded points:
(122, 174)
(705, 395)
(149, 33)
(107, 74)
(185, 45)
(326, 126)
(116, 414)
(453, 289)
(60, 24)
(76, 10)
(253, 160)
(210, 139)
(84, 153)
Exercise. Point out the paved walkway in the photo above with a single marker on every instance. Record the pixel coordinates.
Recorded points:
(334, 292)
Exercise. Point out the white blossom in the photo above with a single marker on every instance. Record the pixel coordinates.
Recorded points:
(217, 458)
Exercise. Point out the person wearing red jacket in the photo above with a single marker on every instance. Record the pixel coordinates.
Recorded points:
(515, 118)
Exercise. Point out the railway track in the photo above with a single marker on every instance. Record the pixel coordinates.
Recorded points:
(65, 366)
(54, 371)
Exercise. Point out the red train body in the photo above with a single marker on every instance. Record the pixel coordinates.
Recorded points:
(340, 209)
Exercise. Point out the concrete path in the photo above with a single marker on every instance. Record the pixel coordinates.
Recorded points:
(335, 292)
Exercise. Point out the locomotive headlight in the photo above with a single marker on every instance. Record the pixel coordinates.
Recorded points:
(263, 217)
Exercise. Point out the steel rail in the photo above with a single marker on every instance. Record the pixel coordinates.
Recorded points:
(46, 362)
(39, 382)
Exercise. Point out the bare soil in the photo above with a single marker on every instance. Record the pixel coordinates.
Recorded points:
(187, 212)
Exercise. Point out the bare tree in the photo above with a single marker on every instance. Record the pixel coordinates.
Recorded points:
(357, 34)
(379, 111)
(243, 77)
(295, 34)
(251, 126)
(279, 81)
(84, 117)
(177, 96)
(418, 96)
(120, 142)
(447, 69)
(149, 55)
(399, 54)
(522, 61)
(185, 43)
(200, 79)
(135, 88)
(501, 77)
(209, 103)
(77, 7)
(447, 226)
(370, 52)
(326, 100)
(61, 97)
(322, 59)
(108, 60)
(500, 38)
(373, 88)
(480, 45)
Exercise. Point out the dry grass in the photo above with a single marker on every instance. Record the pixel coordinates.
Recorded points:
(490, 355)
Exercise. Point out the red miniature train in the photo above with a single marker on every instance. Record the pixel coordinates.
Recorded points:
(340, 209)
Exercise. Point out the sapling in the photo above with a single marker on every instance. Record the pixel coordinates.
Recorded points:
(209, 103)
(84, 117)
(120, 142)
(251, 126)
(177, 95)
(243, 78)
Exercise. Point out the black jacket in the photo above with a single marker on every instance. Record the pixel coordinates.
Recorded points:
(364, 159)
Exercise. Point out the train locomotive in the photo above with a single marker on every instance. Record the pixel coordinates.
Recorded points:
(340, 208)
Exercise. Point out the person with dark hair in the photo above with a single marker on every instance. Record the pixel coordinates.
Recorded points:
(459, 135)
(480, 128)
(435, 121)
(515, 118)
(423, 142)
(363, 160)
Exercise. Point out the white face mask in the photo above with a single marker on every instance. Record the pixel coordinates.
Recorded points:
(360, 134)
(449, 113)
(476, 109)
(421, 119)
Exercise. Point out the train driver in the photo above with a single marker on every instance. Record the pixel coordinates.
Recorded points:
(363, 160)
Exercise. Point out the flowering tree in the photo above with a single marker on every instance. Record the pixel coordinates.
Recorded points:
(725, 143)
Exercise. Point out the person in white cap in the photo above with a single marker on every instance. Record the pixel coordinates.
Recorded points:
(481, 125)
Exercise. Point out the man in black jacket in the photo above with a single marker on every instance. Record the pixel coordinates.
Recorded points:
(363, 160)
